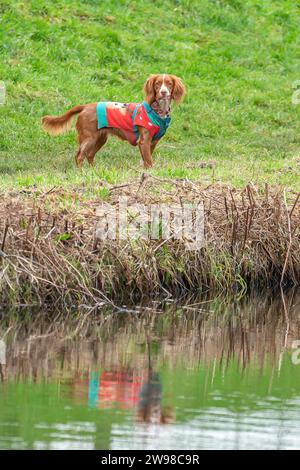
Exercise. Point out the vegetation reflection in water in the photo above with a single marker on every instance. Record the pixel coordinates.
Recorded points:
(213, 375)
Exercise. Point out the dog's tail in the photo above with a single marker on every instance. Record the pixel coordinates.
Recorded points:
(55, 125)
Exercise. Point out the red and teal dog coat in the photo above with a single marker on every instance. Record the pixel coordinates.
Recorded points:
(127, 116)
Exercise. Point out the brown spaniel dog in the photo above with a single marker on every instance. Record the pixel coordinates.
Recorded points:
(142, 124)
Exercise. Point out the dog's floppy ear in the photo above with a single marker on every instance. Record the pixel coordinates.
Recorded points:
(148, 89)
(178, 89)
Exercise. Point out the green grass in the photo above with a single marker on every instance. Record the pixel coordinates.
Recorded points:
(238, 59)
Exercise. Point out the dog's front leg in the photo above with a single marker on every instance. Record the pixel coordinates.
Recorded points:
(145, 146)
(153, 145)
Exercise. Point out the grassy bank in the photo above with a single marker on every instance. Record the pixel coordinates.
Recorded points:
(238, 59)
(51, 255)
(237, 128)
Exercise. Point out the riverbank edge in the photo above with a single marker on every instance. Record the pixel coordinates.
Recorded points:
(50, 253)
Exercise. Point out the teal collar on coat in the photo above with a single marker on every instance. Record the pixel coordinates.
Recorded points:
(163, 123)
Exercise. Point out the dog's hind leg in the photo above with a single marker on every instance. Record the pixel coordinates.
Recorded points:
(78, 159)
(101, 140)
(87, 135)
(80, 155)
(86, 150)
(89, 147)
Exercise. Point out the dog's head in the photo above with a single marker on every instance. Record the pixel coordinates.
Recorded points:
(163, 87)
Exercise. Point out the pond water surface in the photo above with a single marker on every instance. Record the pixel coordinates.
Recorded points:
(209, 376)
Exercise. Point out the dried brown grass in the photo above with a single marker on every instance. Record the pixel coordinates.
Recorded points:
(50, 255)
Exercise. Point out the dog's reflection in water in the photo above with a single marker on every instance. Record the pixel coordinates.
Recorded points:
(150, 409)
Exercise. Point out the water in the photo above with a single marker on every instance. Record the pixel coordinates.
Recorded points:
(214, 376)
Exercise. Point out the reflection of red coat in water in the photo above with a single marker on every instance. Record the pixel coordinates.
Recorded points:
(121, 388)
